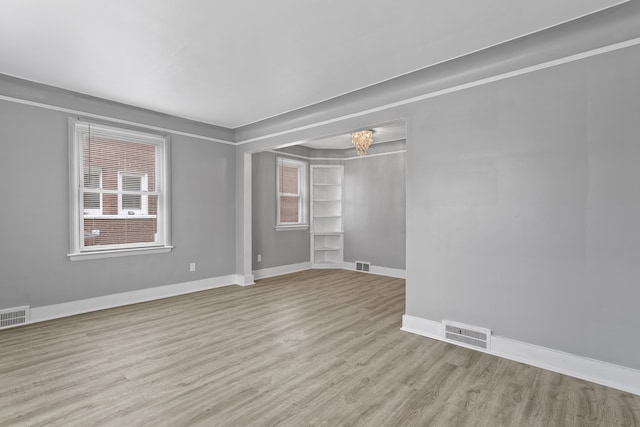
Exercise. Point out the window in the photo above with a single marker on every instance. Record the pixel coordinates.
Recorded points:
(291, 201)
(119, 191)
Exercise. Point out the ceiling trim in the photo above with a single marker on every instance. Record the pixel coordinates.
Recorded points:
(525, 70)
(235, 134)
(334, 159)
(111, 119)
(530, 69)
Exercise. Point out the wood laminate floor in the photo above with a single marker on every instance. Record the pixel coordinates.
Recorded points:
(316, 348)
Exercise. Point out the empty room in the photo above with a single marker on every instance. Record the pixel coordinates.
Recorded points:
(319, 213)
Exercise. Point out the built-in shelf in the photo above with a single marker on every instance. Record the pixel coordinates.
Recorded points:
(326, 216)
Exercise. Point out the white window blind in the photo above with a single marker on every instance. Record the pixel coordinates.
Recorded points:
(92, 200)
(119, 189)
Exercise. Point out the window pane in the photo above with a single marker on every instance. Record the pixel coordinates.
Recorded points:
(289, 209)
(112, 157)
(288, 180)
(131, 201)
(92, 180)
(110, 231)
(92, 201)
(131, 183)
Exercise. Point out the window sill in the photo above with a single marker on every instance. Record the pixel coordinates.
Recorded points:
(119, 216)
(292, 227)
(118, 253)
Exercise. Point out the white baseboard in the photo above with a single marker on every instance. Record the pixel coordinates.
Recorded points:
(283, 269)
(55, 311)
(245, 280)
(596, 371)
(376, 269)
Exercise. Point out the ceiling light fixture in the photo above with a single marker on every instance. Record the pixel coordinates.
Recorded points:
(362, 140)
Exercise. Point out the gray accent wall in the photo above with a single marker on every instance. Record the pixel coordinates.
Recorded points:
(277, 247)
(523, 207)
(34, 231)
(374, 210)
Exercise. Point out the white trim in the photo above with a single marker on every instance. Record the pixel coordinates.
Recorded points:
(376, 269)
(244, 228)
(596, 371)
(526, 70)
(366, 156)
(280, 270)
(291, 227)
(55, 311)
(120, 216)
(113, 119)
(419, 326)
(335, 158)
(452, 89)
(560, 61)
(114, 253)
(245, 280)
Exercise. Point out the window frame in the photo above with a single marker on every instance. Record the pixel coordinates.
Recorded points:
(77, 250)
(303, 190)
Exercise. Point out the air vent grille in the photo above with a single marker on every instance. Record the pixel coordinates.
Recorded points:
(14, 316)
(473, 336)
(363, 266)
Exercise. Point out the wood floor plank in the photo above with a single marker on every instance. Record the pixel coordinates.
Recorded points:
(314, 348)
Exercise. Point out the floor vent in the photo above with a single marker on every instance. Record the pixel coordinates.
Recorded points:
(363, 266)
(472, 336)
(14, 317)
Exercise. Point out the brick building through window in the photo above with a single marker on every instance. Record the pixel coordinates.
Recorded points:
(118, 176)
(291, 192)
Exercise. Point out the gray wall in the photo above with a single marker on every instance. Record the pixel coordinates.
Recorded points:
(374, 210)
(34, 231)
(523, 208)
(277, 248)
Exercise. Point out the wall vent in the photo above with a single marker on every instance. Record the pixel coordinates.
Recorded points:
(14, 316)
(363, 266)
(472, 336)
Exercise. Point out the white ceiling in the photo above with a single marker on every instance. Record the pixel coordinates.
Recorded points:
(236, 62)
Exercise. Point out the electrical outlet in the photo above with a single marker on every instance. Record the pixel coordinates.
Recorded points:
(192, 266)
(259, 258)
